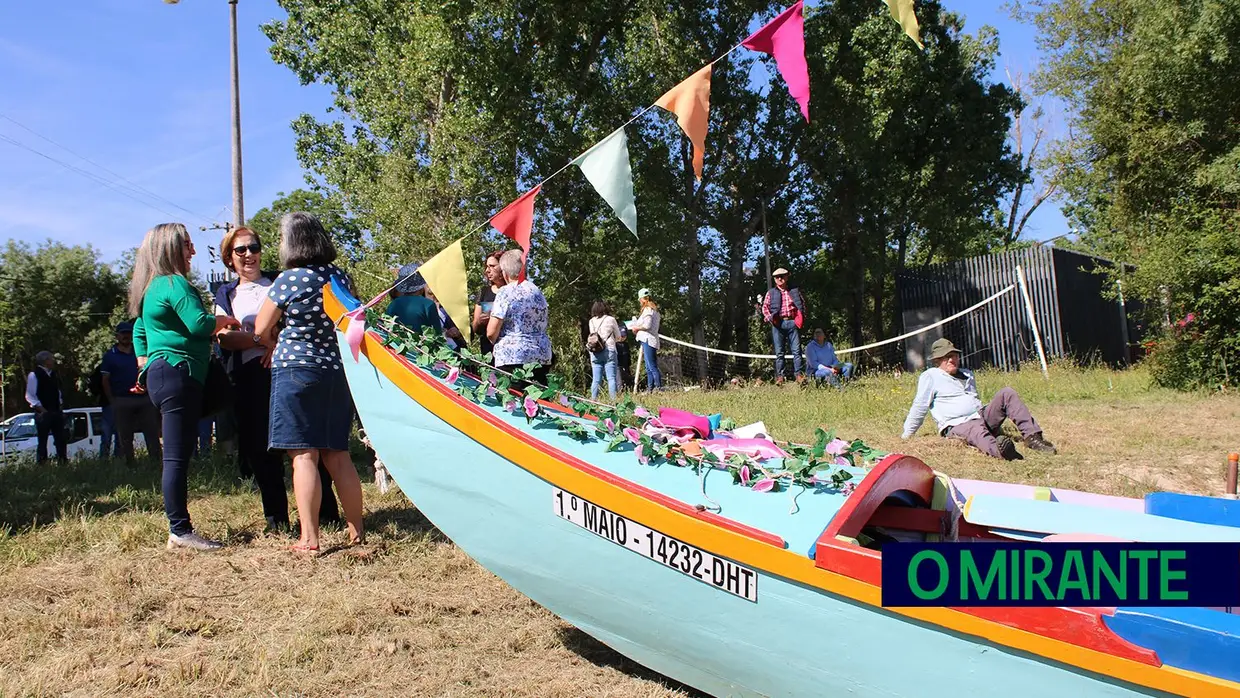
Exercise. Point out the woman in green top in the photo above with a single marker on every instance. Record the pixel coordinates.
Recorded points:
(172, 338)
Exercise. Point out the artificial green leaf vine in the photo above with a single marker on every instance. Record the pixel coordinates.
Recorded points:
(820, 464)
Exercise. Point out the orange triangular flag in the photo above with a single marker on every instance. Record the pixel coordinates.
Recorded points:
(690, 102)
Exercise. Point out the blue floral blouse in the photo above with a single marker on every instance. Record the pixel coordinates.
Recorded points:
(523, 337)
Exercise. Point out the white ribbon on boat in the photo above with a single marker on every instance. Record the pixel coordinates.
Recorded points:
(906, 335)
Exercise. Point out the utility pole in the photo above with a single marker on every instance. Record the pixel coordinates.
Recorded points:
(238, 204)
(238, 199)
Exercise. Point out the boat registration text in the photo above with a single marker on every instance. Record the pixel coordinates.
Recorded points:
(682, 557)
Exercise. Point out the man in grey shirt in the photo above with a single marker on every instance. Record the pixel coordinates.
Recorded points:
(949, 394)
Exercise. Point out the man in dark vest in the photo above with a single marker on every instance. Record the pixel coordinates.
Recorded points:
(47, 400)
(784, 309)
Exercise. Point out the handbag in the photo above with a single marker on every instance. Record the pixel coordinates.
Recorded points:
(217, 390)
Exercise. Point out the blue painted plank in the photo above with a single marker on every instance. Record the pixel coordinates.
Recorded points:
(1192, 507)
(1195, 639)
(1058, 517)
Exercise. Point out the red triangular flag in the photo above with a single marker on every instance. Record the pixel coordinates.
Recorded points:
(515, 222)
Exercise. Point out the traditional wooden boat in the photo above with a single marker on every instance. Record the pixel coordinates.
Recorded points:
(755, 600)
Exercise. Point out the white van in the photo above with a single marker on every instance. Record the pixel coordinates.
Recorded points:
(84, 425)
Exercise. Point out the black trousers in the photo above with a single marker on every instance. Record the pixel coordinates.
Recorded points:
(253, 409)
(51, 424)
(179, 399)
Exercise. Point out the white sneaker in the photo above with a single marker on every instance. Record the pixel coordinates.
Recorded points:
(192, 541)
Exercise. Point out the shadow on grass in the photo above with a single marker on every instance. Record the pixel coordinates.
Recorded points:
(404, 521)
(599, 654)
(38, 494)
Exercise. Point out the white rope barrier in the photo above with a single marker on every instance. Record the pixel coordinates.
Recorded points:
(966, 311)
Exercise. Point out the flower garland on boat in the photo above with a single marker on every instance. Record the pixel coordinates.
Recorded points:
(810, 466)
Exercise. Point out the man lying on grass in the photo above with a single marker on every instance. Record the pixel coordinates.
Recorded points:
(949, 393)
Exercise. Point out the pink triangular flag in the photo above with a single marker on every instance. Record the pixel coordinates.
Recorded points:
(355, 331)
(784, 38)
(515, 222)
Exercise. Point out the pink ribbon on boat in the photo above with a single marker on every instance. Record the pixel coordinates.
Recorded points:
(356, 330)
(753, 448)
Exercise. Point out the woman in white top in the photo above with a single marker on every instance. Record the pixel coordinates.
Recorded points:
(247, 357)
(647, 328)
(603, 361)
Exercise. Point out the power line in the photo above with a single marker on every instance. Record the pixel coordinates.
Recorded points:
(133, 185)
(89, 175)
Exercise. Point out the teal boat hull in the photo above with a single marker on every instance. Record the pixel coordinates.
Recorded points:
(795, 640)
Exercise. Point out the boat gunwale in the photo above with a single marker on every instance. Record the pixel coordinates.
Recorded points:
(779, 561)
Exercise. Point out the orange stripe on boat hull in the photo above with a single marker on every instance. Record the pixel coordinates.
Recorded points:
(625, 498)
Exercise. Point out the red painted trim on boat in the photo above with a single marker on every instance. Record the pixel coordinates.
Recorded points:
(593, 470)
(893, 473)
(1079, 626)
(926, 521)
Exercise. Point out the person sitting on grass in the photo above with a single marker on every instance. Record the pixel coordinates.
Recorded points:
(949, 393)
(821, 358)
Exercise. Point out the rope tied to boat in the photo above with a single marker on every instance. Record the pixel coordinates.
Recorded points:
(702, 480)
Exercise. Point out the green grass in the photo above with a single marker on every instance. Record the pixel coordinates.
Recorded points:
(96, 606)
(1117, 433)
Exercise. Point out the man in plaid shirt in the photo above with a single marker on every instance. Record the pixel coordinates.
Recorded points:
(784, 309)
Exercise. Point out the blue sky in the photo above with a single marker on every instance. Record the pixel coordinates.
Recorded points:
(140, 87)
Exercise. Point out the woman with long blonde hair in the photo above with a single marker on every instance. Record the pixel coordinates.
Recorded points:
(172, 338)
(647, 328)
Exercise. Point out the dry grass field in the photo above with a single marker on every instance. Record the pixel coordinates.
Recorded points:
(94, 606)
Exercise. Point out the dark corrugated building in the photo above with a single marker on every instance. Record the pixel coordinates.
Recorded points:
(1074, 317)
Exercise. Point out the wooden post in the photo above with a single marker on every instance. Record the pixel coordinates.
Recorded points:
(1230, 489)
(637, 375)
(1033, 320)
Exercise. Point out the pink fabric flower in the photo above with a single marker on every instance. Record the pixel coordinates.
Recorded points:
(531, 407)
(609, 425)
(641, 412)
(633, 435)
(745, 475)
(848, 488)
(491, 391)
(837, 447)
(511, 406)
(764, 485)
(454, 374)
(564, 400)
(641, 457)
(841, 460)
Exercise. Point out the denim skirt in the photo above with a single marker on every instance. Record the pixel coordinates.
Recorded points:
(310, 408)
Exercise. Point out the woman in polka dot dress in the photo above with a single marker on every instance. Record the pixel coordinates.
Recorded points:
(311, 409)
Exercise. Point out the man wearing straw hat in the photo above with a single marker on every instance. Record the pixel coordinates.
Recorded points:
(949, 393)
(784, 309)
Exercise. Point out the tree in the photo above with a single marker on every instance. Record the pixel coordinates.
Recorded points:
(345, 230)
(908, 155)
(58, 298)
(1154, 179)
(904, 158)
(1029, 126)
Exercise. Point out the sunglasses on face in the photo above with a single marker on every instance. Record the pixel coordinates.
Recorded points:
(252, 248)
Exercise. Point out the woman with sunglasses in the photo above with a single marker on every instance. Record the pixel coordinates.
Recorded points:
(247, 356)
(492, 282)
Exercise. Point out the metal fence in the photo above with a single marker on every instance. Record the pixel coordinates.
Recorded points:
(1073, 316)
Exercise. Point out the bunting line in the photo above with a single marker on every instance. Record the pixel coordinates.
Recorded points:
(782, 38)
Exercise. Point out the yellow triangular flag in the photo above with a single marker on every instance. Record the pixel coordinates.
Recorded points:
(445, 274)
(902, 12)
